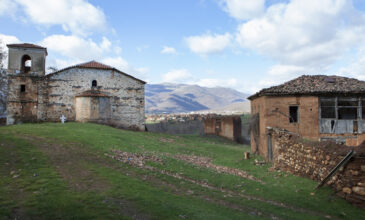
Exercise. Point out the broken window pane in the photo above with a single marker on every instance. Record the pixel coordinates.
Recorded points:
(293, 112)
(328, 112)
(347, 113)
(328, 102)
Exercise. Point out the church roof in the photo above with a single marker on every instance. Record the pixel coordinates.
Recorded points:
(27, 45)
(315, 85)
(95, 65)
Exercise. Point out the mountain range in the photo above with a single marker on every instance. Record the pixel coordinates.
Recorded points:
(178, 98)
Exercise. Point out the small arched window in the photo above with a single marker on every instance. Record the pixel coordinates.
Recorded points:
(26, 63)
(94, 83)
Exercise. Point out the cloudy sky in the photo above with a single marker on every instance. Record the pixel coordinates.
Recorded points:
(242, 44)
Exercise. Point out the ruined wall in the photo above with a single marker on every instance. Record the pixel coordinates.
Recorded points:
(315, 160)
(274, 112)
(22, 106)
(126, 95)
(229, 127)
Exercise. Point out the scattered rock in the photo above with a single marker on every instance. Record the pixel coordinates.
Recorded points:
(359, 190)
(346, 190)
(363, 168)
(207, 163)
(135, 159)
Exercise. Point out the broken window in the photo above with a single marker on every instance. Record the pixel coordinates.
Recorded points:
(328, 108)
(342, 115)
(22, 88)
(293, 112)
(94, 83)
(26, 63)
(347, 108)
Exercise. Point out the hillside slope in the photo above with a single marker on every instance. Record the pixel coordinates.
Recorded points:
(176, 98)
(89, 171)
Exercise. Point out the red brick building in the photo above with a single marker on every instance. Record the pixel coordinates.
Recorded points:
(317, 107)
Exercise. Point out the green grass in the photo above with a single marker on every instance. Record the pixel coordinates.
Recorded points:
(63, 171)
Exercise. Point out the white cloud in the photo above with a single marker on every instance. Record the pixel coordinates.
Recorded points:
(4, 40)
(356, 68)
(117, 62)
(122, 65)
(304, 32)
(168, 50)
(105, 44)
(214, 82)
(77, 16)
(75, 47)
(208, 44)
(177, 76)
(244, 9)
(7, 7)
(8, 39)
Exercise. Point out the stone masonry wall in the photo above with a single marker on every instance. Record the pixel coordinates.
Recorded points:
(315, 160)
(127, 95)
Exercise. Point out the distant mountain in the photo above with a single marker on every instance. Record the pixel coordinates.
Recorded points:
(177, 98)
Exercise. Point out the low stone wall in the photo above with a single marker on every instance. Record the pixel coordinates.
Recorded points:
(315, 160)
(187, 127)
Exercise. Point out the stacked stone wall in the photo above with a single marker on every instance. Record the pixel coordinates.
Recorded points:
(315, 160)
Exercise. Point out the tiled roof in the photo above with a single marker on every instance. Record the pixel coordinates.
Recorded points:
(95, 65)
(315, 85)
(27, 45)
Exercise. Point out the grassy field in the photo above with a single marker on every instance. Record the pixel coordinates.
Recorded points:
(89, 171)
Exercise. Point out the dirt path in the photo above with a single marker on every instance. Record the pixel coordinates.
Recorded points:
(69, 161)
(139, 160)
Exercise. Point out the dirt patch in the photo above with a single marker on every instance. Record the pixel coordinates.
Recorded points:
(207, 163)
(166, 140)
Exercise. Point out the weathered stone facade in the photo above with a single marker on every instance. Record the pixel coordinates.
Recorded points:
(90, 92)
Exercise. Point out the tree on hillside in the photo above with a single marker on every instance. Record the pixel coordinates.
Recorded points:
(3, 82)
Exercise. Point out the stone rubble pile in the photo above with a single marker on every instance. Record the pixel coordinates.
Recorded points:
(134, 159)
(207, 163)
(315, 160)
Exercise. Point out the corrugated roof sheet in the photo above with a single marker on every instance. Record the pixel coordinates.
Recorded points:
(315, 85)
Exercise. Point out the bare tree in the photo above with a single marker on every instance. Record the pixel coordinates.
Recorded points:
(3, 82)
(52, 69)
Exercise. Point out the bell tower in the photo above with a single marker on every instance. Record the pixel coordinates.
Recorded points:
(26, 69)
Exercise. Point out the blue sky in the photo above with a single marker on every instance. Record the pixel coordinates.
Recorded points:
(242, 44)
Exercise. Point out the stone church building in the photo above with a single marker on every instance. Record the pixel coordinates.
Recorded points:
(87, 92)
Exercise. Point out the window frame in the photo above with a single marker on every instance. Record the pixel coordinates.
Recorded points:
(22, 88)
(292, 119)
(337, 99)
